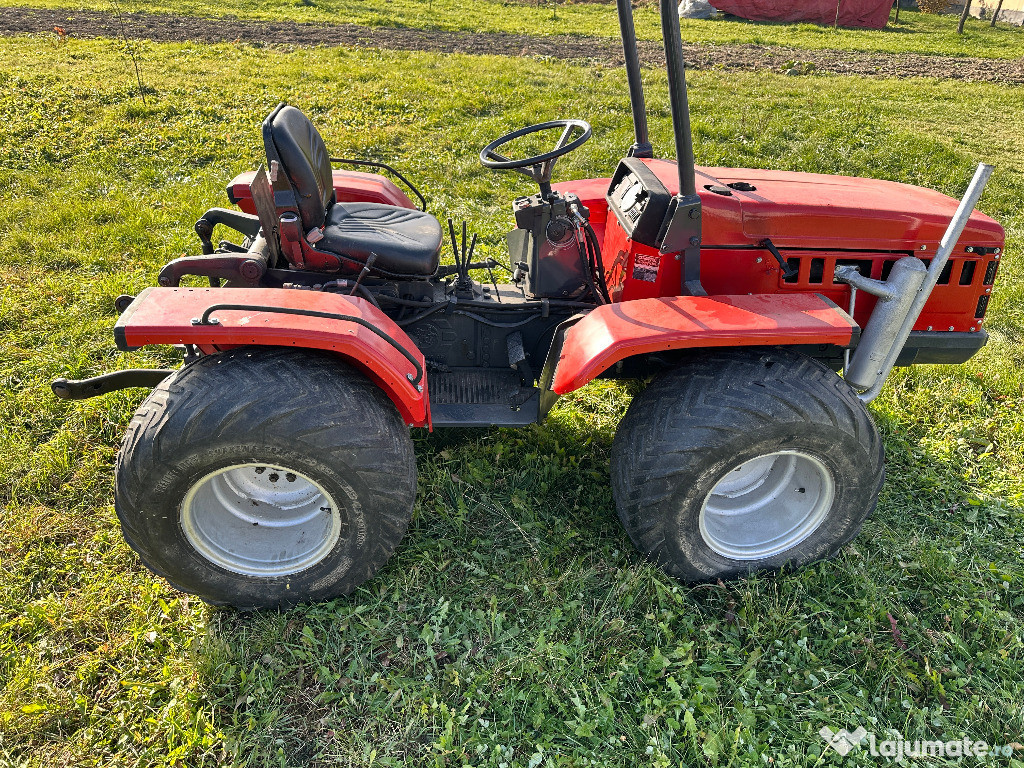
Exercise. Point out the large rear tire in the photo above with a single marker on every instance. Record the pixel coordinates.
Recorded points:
(740, 461)
(266, 477)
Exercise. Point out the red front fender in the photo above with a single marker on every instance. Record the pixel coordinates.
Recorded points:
(613, 332)
(384, 352)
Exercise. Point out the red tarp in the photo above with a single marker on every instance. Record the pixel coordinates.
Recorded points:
(873, 14)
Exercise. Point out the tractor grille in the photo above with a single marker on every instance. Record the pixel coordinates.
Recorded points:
(990, 273)
(982, 307)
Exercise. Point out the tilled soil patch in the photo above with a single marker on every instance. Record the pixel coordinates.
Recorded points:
(170, 28)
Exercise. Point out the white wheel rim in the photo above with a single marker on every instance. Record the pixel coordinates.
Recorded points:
(260, 520)
(767, 505)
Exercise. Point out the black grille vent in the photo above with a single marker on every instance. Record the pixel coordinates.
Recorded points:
(982, 306)
(794, 267)
(473, 387)
(817, 274)
(990, 272)
(947, 271)
(967, 273)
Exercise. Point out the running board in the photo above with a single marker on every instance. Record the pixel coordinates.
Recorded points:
(481, 398)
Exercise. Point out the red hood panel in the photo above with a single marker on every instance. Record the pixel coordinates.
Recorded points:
(808, 210)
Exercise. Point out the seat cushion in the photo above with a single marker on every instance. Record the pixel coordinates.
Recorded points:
(407, 242)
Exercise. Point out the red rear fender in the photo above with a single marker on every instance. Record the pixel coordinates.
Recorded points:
(350, 186)
(364, 336)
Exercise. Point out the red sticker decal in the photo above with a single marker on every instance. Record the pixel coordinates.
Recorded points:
(645, 267)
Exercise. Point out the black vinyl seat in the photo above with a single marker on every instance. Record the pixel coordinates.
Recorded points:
(407, 242)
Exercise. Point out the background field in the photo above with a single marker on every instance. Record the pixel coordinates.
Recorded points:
(515, 626)
(915, 32)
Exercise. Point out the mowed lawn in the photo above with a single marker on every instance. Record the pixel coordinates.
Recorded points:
(515, 626)
(914, 32)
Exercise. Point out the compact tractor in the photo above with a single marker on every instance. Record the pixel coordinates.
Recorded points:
(276, 464)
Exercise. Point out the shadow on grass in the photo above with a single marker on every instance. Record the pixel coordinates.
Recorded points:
(516, 594)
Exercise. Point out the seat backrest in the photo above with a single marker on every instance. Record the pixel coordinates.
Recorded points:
(294, 142)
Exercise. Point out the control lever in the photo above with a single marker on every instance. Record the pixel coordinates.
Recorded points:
(447, 270)
(787, 271)
(463, 255)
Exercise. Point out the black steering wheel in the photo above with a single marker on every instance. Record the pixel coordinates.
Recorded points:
(539, 167)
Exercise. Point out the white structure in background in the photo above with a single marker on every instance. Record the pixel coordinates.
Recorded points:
(696, 9)
(1010, 11)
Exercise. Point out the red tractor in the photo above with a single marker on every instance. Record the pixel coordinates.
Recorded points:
(276, 465)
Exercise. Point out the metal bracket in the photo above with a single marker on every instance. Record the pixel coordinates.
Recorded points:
(82, 389)
(681, 233)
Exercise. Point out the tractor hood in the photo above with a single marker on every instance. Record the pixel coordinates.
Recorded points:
(812, 211)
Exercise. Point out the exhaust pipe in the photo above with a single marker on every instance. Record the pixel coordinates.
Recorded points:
(895, 297)
(900, 299)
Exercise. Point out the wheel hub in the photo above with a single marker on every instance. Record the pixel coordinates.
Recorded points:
(767, 505)
(260, 520)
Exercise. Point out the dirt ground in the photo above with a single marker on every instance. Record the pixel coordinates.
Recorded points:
(168, 28)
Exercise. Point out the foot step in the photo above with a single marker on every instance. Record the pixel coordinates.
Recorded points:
(479, 398)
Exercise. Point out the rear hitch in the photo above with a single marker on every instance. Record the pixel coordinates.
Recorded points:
(82, 389)
(900, 299)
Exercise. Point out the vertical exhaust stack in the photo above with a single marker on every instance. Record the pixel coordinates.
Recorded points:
(901, 298)
(895, 296)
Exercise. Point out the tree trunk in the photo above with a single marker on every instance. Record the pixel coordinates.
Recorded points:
(963, 17)
(999, 7)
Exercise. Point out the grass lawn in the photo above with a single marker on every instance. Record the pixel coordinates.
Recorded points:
(515, 626)
(915, 32)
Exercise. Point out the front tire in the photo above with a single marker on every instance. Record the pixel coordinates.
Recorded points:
(266, 477)
(742, 461)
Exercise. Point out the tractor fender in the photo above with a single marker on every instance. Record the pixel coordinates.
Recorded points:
(219, 319)
(613, 332)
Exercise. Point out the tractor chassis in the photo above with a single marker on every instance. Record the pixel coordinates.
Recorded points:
(276, 465)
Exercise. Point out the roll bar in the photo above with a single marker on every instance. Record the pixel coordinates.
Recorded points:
(642, 145)
(681, 232)
(672, 37)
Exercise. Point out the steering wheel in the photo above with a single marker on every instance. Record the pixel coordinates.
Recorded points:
(539, 167)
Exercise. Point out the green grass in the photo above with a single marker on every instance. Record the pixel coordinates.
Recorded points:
(515, 626)
(915, 32)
